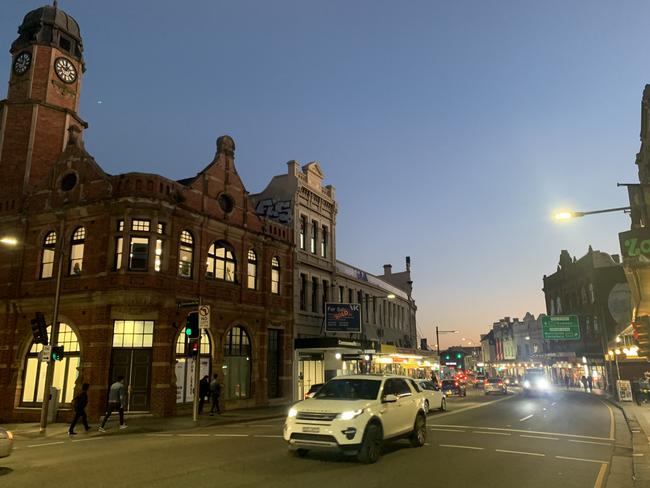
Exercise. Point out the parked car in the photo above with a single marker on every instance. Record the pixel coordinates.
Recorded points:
(313, 390)
(495, 385)
(6, 442)
(356, 414)
(433, 395)
(453, 387)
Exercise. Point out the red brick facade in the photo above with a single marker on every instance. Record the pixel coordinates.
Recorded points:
(36, 201)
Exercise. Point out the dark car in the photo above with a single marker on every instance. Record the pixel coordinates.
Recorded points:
(313, 390)
(453, 387)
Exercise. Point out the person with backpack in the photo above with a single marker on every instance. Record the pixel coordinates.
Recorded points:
(79, 403)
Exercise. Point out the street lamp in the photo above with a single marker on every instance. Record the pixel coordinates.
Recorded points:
(568, 214)
(438, 338)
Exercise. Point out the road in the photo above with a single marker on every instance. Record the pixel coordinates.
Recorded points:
(564, 441)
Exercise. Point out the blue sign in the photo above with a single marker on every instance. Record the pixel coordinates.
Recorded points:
(343, 317)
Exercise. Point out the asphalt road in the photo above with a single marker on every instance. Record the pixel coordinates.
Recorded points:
(563, 441)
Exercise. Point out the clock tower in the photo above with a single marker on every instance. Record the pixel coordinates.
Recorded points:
(42, 101)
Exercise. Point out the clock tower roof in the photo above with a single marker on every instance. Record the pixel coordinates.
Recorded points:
(50, 25)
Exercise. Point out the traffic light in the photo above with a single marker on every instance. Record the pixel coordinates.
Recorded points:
(192, 326)
(458, 355)
(39, 329)
(57, 353)
(641, 334)
(192, 347)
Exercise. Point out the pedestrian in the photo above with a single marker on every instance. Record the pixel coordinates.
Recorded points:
(116, 401)
(567, 381)
(79, 403)
(204, 391)
(590, 382)
(215, 392)
(583, 380)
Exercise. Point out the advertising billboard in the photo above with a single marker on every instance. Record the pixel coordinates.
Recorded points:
(343, 317)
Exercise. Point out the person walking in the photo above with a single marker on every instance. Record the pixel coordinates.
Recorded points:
(590, 383)
(567, 381)
(204, 391)
(583, 380)
(215, 392)
(79, 403)
(116, 401)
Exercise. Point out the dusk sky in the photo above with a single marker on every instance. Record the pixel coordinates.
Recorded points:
(451, 130)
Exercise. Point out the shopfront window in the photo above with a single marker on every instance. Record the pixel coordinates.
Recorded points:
(237, 364)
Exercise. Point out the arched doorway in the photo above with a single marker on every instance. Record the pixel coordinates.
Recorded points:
(185, 367)
(65, 371)
(237, 364)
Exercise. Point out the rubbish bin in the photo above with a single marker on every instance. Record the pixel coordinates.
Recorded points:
(53, 407)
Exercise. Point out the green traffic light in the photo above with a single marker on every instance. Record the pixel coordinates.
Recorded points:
(188, 331)
(459, 355)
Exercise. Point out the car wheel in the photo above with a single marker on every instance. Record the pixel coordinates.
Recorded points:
(419, 434)
(443, 405)
(371, 445)
(300, 452)
(426, 406)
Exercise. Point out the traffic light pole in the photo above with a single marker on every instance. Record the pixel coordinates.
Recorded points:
(54, 337)
(197, 374)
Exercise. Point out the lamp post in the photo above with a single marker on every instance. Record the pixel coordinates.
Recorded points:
(568, 214)
(438, 332)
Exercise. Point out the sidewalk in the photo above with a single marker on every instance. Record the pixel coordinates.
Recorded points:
(139, 423)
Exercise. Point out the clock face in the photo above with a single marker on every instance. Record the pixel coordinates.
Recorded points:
(22, 63)
(65, 70)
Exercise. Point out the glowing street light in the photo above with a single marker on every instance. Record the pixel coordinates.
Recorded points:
(568, 214)
(9, 241)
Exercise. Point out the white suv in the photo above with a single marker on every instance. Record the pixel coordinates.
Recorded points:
(355, 414)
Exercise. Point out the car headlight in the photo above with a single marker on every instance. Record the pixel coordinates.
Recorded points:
(543, 384)
(292, 412)
(526, 384)
(350, 414)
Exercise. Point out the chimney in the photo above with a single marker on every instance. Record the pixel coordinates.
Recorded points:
(408, 264)
(388, 269)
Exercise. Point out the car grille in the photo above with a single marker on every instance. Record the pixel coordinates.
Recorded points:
(312, 437)
(320, 416)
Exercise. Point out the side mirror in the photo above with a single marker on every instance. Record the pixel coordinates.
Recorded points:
(389, 399)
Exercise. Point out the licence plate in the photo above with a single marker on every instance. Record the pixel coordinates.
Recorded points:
(311, 430)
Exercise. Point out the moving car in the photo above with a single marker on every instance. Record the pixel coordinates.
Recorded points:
(313, 390)
(6, 442)
(495, 385)
(535, 382)
(355, 414)
(433, 395)
(453, 387)
(480, 381)
(511, 381)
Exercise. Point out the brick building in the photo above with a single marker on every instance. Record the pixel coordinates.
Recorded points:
(128, 251)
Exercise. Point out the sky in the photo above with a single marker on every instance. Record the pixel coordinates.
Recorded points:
(450, 130)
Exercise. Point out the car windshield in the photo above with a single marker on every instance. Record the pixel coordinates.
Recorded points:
(448, 383)
(349, 389)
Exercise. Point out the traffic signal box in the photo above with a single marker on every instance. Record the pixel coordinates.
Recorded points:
(192, 335)
(57, 353)
(39, 329)
(641, 334)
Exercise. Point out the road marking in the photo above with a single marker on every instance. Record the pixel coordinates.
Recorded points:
(491, 433)
(611, 419)
(527, 431)
(271, 436)
(553, 404)
(264, 425)
(540, 437)
(446, 430)
(231, 435)
(601, 476)
(193, 435)
(159, 435)
(521, 452)
(462, 447)
(46, 444)
(453, 412)
(591, 442)
(582, 459)
(637, 454)
(526, 418)
(91, 439)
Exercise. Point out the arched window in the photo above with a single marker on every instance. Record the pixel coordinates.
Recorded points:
(185, 367)
(221, 262)
(185, 255)
(237, 367)
(47, 257)
(65, 371)
(77, 251)
(252, 270)
(275, 275)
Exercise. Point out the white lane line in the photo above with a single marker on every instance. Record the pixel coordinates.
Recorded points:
(231, 435)
(462, 447)
(91, 439)
(526, 418)
(520, 452)
(159, 435)
(446, 430)
(561, 434)
(491, 433)
(479, 405)
(270, 436)
(264, 425)
(582, 459)
(591, 442)
(540, 437)
(46, 444)
(193, 435)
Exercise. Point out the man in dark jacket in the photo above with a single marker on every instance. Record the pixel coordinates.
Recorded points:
(79, 403)
(204, 391)
(215, 392)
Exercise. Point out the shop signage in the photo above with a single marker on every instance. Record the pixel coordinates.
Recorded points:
(343, 317)
(635, 245)
(561, 328)
(624, 389)
(310, 356)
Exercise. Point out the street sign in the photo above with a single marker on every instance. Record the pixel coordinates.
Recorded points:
(192, 303)
(46, 354)
(204, 317)
(561, 328)
(343, 317)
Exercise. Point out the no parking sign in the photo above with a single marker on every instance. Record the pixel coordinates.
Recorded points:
(204, 317)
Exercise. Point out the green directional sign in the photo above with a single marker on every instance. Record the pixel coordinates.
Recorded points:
(561, 328)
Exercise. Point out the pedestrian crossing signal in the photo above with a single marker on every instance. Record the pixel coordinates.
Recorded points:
(57, 353)
(192, 326)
